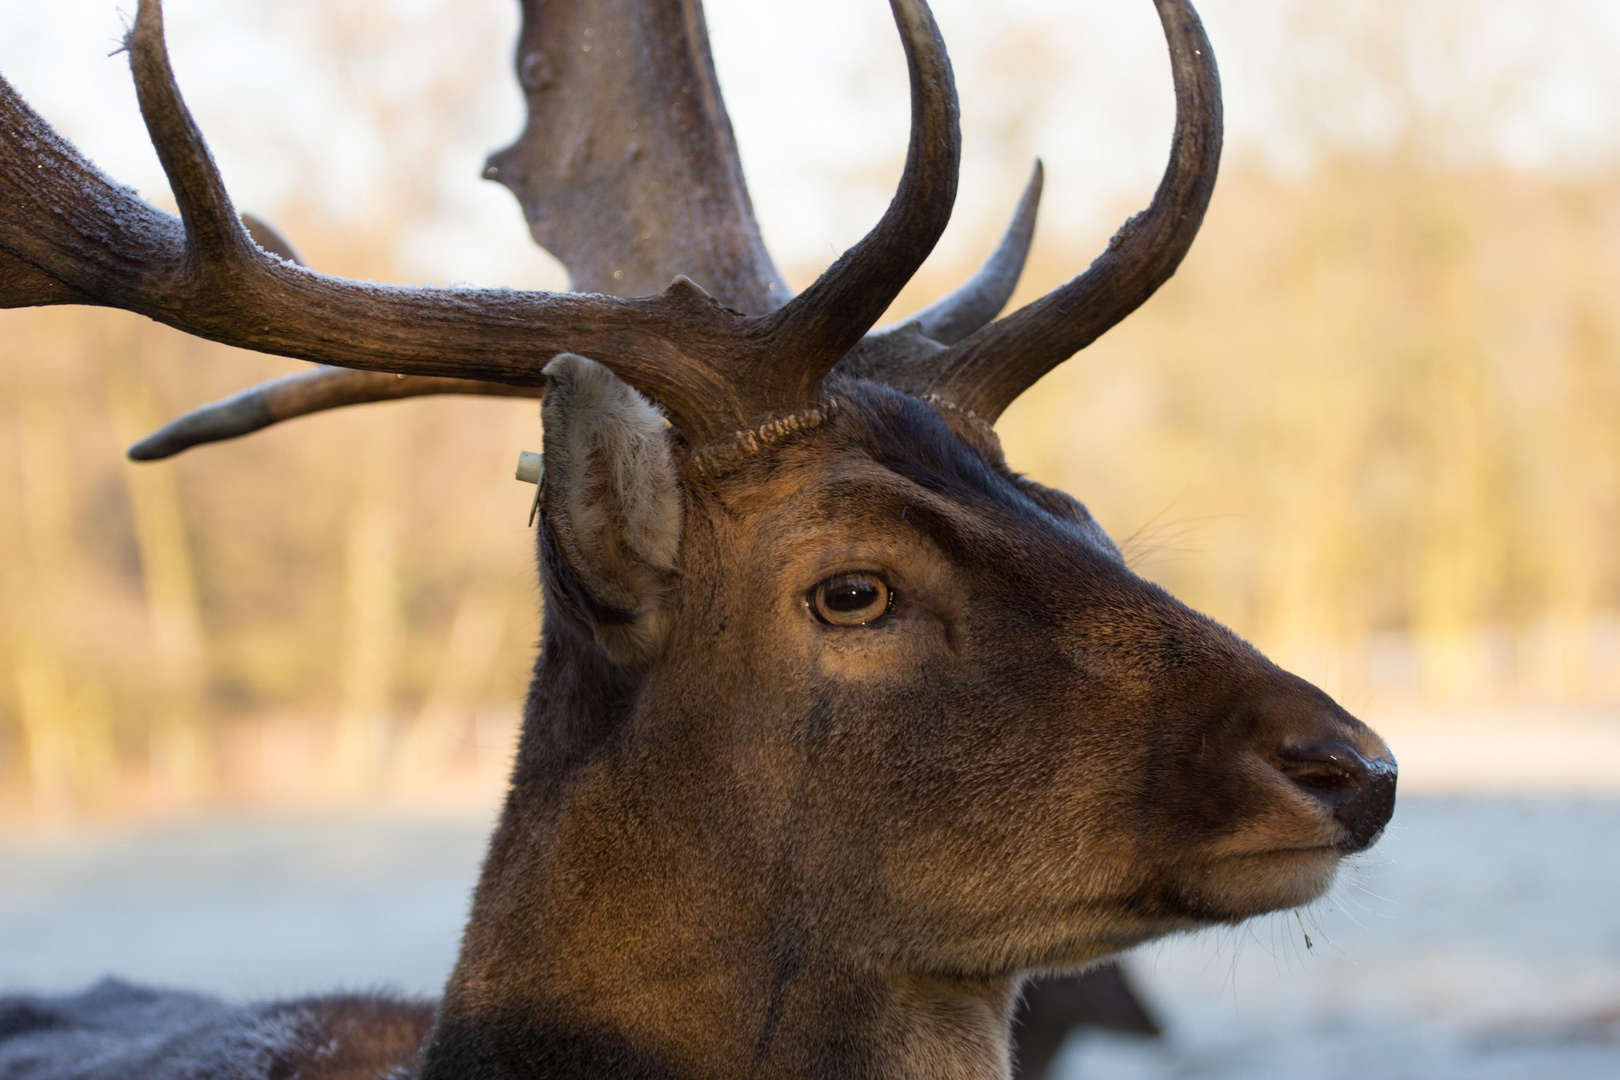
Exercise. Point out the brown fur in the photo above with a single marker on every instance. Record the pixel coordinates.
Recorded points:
(773, 847)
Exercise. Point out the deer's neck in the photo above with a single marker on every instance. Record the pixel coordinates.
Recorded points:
(616, 933)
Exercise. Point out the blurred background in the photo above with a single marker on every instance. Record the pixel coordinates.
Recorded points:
(1373, 424)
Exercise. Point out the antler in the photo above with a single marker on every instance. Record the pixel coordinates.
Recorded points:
(627, 167)
(889, 355)
(627, 202)
(299, 395)
(617, 188)
(981, 298)
(713, 369)
(948, 319)
(986, 372)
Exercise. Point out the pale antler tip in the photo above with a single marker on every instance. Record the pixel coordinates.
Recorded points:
(243, 414)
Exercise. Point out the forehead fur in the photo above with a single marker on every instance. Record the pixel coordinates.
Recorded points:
(940, 450)
(943, 452)
(886, 426)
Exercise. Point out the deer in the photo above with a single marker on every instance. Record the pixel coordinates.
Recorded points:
(840, 728)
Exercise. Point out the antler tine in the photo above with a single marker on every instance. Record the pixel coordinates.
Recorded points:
(821, 324)
(216, 238)
(987, 371)
(299, 395)
(981, 298)
(897, 355)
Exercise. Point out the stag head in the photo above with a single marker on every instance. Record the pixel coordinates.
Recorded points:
(840, 726)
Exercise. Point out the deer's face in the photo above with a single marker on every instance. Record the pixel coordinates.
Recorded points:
(922, 701)
(938, 701)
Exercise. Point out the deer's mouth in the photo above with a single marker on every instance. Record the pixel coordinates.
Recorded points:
(1238, 887)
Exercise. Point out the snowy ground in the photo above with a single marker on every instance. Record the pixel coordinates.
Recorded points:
(1480, 940)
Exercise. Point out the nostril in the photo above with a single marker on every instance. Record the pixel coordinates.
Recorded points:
(1360, 793)
(1328, 767)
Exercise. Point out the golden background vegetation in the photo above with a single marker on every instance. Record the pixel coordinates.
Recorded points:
(1373, 424)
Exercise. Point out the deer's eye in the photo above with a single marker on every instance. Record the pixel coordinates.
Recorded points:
(851, 599)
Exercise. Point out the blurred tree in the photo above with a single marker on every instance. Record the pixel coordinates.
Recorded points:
(1374, 422)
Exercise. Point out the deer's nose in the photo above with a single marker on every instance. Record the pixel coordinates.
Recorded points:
(1359, 790)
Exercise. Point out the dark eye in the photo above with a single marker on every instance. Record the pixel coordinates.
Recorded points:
(851, 599)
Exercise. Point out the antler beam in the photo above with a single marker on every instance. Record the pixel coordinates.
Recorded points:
(299, 395)
(78, 238)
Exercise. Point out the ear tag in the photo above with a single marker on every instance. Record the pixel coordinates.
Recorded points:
(531, 468)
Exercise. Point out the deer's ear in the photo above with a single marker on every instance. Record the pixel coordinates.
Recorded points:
(612, 508)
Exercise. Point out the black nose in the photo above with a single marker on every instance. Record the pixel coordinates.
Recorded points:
(1360, 792)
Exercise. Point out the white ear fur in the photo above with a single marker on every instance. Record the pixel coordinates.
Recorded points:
(612, 500)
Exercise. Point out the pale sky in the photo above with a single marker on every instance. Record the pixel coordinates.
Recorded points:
(817, 94)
